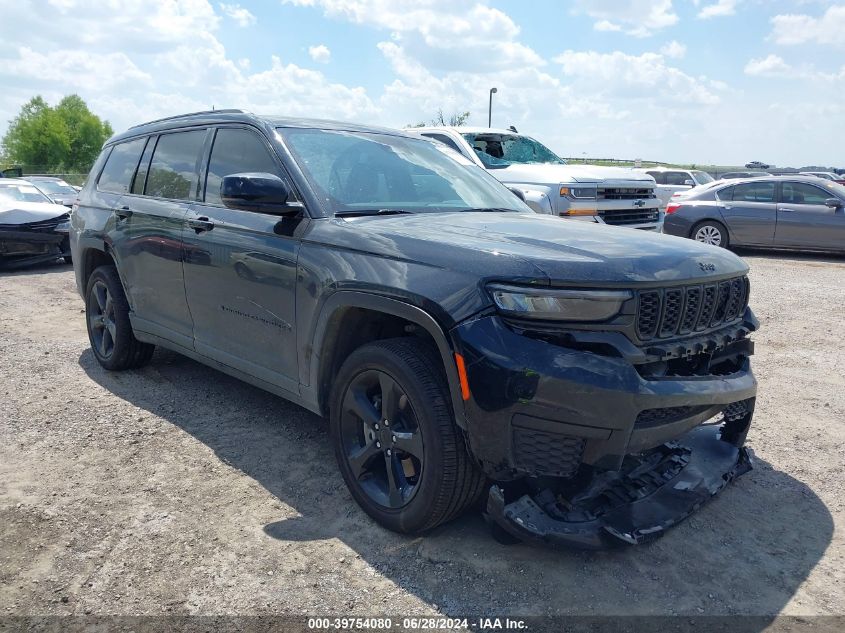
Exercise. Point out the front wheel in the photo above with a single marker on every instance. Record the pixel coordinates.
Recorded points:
(710, 232)
(107, 317)
(395, 439)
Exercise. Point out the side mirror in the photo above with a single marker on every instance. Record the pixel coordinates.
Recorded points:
(689, 183)
(518, 193)
(258, 191)
(833, 203)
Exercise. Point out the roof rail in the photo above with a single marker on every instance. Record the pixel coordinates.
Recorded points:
(179, 116)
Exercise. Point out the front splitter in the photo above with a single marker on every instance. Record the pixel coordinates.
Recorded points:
(710, 465)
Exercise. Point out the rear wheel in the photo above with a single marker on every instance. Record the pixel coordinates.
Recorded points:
(398, 448)
(107, 317)
(710, 232)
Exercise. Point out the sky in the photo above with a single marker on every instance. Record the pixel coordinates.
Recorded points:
(687, 81)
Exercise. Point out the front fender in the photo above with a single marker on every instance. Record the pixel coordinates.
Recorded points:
(538, 198)
(356, 299)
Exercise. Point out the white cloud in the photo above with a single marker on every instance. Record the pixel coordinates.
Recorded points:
(635, 76)
(674, 50)
(769, 66)
(640, 18)
(447, 34)
(320, 53)
(237, 13)
(718, 9)
(801, 29)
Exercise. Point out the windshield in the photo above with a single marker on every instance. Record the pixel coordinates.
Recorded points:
(702, 177)
(55, 186)
(22, 193)
(500, 150)
(369, 172)
(835, 188)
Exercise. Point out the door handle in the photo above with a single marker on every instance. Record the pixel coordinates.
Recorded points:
(787, 210)
(123, 213)
(201, 224)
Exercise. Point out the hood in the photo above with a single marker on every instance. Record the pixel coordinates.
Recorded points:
(17, 212)
(553, 174)
(551, 250)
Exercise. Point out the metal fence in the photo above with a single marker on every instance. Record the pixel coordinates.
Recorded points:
(71, 177)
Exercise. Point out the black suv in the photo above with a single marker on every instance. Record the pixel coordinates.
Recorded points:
(593, 382)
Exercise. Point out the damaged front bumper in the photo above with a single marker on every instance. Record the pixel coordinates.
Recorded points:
(33, 243)
(654, 492)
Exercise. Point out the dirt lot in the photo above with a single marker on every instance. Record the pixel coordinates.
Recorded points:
(175, 489)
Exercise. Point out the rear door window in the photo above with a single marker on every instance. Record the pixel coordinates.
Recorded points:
(116, 176)
(754, 192)
(659, 177)
(173, 171)
(236, 151)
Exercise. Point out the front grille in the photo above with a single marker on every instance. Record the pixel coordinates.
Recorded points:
(624, 193)
(41, 225)
(667, 312)
(665, 415)
(629, 216)
(542, 453)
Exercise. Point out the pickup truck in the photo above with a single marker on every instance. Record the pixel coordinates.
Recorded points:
(670, 181)
(603, 195)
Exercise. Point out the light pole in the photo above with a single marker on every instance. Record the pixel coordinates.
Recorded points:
(490, 108)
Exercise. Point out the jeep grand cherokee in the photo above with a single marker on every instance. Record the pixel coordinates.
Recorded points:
(592, 382)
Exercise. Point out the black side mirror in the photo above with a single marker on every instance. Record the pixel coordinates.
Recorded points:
(833, 203)
(518, 193)
(258, 191)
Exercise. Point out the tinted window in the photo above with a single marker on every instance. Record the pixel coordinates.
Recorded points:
(120, 166)
(173, 169)
(754, 192)
(141, 175)
(658, 176)
(801, 193)
(236, 151)
(367, 172)
(676, 177)
(445, 140)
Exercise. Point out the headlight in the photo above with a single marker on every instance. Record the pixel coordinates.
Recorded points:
(578, 193)
(560, 305)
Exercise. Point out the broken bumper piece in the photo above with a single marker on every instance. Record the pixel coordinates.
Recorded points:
(615, 509)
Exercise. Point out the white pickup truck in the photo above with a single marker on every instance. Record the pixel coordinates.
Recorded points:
(606, 195)
(671, 180)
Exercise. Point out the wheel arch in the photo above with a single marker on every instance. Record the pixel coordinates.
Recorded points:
(350, 319)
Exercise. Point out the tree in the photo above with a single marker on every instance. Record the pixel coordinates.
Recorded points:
(67, 137)
(455, 120)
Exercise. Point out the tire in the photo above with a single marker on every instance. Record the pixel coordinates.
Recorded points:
(433, 478)
(107, 320)
(711, 230)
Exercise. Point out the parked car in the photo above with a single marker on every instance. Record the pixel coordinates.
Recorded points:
(734, 175)
(796, 212)
(756, 164)
(33, 229)
(825, 175)
(461, 346)
(670, 181)
(603, 195)
(54, 188)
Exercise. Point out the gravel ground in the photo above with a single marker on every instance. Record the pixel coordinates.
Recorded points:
(178, 490)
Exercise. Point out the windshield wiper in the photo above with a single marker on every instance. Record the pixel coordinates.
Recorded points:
(362, 212)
